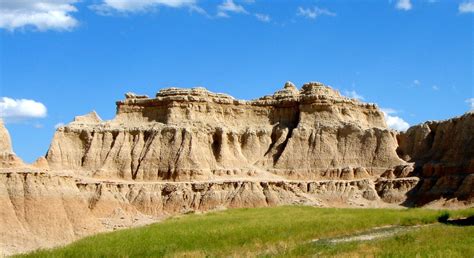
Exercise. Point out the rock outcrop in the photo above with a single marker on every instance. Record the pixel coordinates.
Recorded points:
(194, 134)
(443, 153)
(43, 210)
(188, 150)
(8, 158)
(5, 141)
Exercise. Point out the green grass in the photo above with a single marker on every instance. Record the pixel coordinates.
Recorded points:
(272, 231)
(432, 241)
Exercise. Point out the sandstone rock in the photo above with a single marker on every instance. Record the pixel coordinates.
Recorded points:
(447, 142)
(192, 150)
(5, 142)
(90, 118)
(131, 95)
(8, 159)
(361, 172)
(41, 163)
(395, 190)
(443, 154)
(185, 134)
(45, 210)
(389, 174)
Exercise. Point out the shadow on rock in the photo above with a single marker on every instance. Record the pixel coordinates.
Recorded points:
(469, 221)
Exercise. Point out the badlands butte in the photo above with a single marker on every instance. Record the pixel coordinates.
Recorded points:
(193, 150)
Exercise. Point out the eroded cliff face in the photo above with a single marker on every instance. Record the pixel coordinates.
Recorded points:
(41, 209)
(5, 141)
(194, 134)
(191, 150)
(7, 156)
(443, 153)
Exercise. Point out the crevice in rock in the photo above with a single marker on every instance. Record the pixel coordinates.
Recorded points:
(216, 144)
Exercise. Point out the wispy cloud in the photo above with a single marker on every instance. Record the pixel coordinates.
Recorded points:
(108, 6)
(42, 15)
(353, 94)
(393, 121)
(263, 17)
(435, 87)
(19, 109)
(404, 5)
(313, 13)
(466, 7)
(60, 124)
(416, 82)
(470, 101)
(199, 10)
(228, 6)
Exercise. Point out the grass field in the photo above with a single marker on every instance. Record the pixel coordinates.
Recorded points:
(281, 231)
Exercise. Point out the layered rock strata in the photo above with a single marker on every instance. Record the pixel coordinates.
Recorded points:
(44, 209)
(193, 134)
(7, 156)
(443, 153)
(193, 150)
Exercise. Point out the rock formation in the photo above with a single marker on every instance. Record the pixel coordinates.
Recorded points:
(5, 142)
(194, 150)
(193, 134)
(7, 156)
(443, 153)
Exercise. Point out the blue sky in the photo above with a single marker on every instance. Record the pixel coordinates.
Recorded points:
(62, 58)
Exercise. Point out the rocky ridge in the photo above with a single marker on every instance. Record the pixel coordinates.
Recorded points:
(7, 156)
(191, 150)
(193, 134)
(443, 154)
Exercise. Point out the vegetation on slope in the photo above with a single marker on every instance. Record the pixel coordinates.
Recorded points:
(285, 231)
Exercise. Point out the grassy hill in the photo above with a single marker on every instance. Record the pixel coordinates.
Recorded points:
(284, 231)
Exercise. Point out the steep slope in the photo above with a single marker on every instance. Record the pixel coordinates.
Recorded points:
(194, 150)
(443, 153)
(8, 158)
(193, 134)
(5, 141)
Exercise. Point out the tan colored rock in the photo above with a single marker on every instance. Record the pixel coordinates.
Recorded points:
(41, 163)
(5, 142)
(90, 118)
(396, 190)
(194, 134)
(443, 156)
(8, 159)
(447, 142)
(45, 210)
(389, 174)
(194, 150)
(360, 173)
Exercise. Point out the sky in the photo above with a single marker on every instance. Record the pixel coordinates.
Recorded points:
(63, 58)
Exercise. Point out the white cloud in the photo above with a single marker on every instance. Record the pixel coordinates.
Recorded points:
(199, 10)
(471, 103)
(389, 111)
(353, 94)
(416, 82)
(139, 5)
(41, 14)
(404, 5)
(263, 17)
(60, 124)
(435, 87)
(393, 121)
(228, 6)
(19, 109)
(313, 13)
(466, 7)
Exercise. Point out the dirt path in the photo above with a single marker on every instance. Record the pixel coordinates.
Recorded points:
(372, 234)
